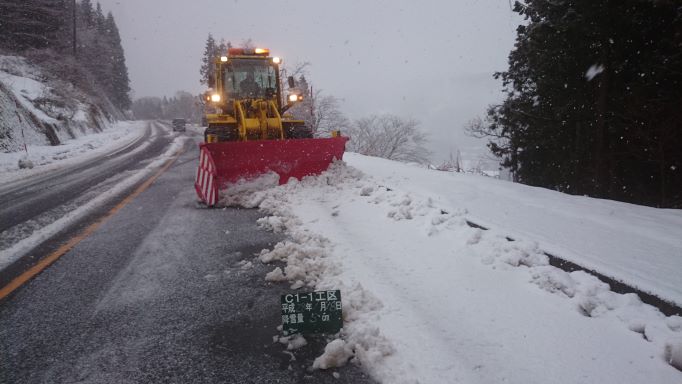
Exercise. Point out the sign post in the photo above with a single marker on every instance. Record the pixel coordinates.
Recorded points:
(311, 312)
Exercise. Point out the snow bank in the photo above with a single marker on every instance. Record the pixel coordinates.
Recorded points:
(638, 245)
(427, 298)
(46, 158)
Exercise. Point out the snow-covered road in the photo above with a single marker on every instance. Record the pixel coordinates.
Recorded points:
(51, 198)
(430, 299)
(160, 292)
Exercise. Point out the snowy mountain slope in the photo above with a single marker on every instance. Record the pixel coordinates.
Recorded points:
(429, 299)
(37, 108)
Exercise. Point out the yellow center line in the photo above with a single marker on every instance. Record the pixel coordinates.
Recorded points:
(64, 248)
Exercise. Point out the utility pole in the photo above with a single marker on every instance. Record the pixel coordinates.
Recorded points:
(74, 27)
(312, 102)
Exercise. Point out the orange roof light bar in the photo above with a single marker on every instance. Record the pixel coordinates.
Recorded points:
(235, 51)
(248, 51)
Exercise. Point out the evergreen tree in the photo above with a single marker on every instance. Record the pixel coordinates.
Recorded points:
(88, 13)
(100, 19)
(31, 23)
(207, 70)
(119, 85)
(212, 50)
(591, 89)
(101, 53)
(223, 47)
(46, 27)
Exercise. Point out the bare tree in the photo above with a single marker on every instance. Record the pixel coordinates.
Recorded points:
(499, 140)
(475, 128)
(326, 115)
(321, 113)
(297, 70)
(453, 164)
(248, 43)
(390, 137)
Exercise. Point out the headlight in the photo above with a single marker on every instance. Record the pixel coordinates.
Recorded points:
(276, 60)
(215, 98)
(223, 59)
(293, 98)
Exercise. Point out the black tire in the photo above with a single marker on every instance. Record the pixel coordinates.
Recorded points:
(298, 132)
(225, 132)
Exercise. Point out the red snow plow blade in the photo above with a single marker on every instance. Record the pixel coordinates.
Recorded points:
(224, 163)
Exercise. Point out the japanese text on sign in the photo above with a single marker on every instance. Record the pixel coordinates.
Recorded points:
(311, 312)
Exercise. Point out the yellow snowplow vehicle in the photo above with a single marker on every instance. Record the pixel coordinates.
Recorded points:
(249, 132)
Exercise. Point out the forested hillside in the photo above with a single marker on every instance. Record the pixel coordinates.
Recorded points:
(89, 56)
(62, 72)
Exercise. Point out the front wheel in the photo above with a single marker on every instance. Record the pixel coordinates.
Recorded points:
(298, 132)
(222, 132)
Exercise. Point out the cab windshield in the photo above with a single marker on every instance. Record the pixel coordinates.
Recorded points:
(249, 78)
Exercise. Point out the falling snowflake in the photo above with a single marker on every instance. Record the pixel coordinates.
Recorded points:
(593, 71)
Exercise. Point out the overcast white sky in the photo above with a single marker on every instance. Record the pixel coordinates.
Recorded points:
(430, 60)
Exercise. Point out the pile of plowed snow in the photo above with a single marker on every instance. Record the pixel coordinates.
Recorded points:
(427, 298)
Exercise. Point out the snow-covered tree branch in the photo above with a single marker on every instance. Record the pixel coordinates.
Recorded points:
(390, 137)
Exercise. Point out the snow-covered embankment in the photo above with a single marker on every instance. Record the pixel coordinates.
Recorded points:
(427, 298)
(38, 109)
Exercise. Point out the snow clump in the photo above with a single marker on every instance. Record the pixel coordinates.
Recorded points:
(242, 192)
(293, 342)
(25, 164)
(674, 353)
(336, 354)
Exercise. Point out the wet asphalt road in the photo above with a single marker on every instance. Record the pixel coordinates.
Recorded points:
(155, 295)
(24, 200)
(28, 205)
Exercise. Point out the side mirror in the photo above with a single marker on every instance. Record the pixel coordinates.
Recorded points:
(292, 82)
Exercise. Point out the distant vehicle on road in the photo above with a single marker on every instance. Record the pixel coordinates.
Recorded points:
(179, 125)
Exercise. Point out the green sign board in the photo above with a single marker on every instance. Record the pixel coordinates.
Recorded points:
(311, 312)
